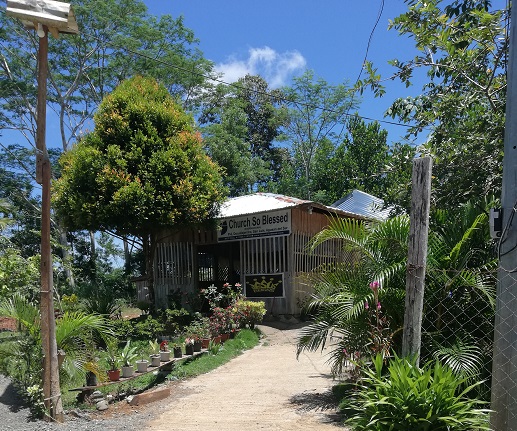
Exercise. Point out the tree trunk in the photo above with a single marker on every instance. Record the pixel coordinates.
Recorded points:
(127, 257)
(149, 247)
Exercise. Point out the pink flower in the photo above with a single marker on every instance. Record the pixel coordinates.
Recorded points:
(366, 306)
(238, 285)
(374, 285)
(378, 305)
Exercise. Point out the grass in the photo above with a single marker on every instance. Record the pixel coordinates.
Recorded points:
(190, 367)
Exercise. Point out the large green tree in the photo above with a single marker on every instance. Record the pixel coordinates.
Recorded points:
(142, 169)
(317, 115)
(461, 56)
(242, 124)
(117, 39)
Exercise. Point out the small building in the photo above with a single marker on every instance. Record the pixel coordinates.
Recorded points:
(260, 242)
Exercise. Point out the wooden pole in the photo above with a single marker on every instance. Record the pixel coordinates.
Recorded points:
(417, 257)
(51, 389)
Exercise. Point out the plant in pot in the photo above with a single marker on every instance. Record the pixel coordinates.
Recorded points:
(165, 353)
(189, 346)
(155, 353)
(142, 363)
(113, 361)
(177, 350)
(127, 357)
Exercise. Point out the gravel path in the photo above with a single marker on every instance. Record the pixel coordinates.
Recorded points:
(264, 388)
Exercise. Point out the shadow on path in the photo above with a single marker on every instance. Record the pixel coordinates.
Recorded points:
(325, 402)
(9, 396)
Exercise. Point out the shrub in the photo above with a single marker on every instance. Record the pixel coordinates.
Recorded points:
(413, 398)
(249, 312)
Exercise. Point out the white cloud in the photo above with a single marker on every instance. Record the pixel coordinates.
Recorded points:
(276, 68)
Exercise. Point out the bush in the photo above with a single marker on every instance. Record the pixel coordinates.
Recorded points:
(249, 312)
(413, 398)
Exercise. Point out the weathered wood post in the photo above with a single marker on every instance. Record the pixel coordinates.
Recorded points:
(417, 256)
(55, 17)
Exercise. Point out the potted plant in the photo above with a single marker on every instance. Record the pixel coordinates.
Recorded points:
(155, 353)
(142, 363)
(127, 357)
(177, 350)
(189, 346)
(165, 353)
(113, 361)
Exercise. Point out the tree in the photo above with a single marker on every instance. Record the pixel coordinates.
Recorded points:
(141, 170)
(118, 39)
(462, 46)
(317, 114)
(242, 124)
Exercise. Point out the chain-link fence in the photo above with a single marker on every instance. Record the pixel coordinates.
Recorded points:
(458, 323)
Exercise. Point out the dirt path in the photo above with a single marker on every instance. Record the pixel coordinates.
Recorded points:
(264, 389)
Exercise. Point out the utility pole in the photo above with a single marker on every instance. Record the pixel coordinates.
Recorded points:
(417, 256)
(56, 17)
(504, 371)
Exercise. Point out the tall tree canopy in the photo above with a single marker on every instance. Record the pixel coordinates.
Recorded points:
(242, 123)
(317, 114)
(462, 45)
(118, 39)
(140, 170)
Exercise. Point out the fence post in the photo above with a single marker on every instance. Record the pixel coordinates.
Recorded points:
(417, 256)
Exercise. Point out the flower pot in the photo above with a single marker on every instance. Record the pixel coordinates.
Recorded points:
(155, 360)
(141, 365)
(127, 371)
(205, 342)
(197, 346)
(189, 349)
(177, 352)
(224, 337)
(114, 375)
(165, 356)
(232, 335)
(217, 340)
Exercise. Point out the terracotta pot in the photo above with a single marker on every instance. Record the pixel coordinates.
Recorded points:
(114, 375)
(224, 337)
(217, 340)
(205, 342)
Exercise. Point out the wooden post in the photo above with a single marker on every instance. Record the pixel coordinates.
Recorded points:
(417, 257)
(51, 389)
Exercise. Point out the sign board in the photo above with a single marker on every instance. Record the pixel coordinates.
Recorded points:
(264, 285)
(260, 225)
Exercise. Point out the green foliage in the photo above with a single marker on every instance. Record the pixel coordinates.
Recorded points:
(462, 47)
(242, 123)
(412, 398)
(310, 128)
(140, 169)
(377, 253)
(129, 354)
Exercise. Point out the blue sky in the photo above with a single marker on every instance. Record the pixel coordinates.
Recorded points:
(280, 39)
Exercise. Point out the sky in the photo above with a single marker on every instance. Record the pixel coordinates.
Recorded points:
(279, 39)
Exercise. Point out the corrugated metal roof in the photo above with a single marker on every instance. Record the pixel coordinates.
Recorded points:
(257, 202)
(362, 203)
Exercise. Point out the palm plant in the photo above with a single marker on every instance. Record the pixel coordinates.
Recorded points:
(77, 334)
(378, 253)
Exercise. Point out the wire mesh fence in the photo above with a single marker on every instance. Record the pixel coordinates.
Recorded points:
(458, 323)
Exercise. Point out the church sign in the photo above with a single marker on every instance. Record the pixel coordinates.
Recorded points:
(260, 225)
